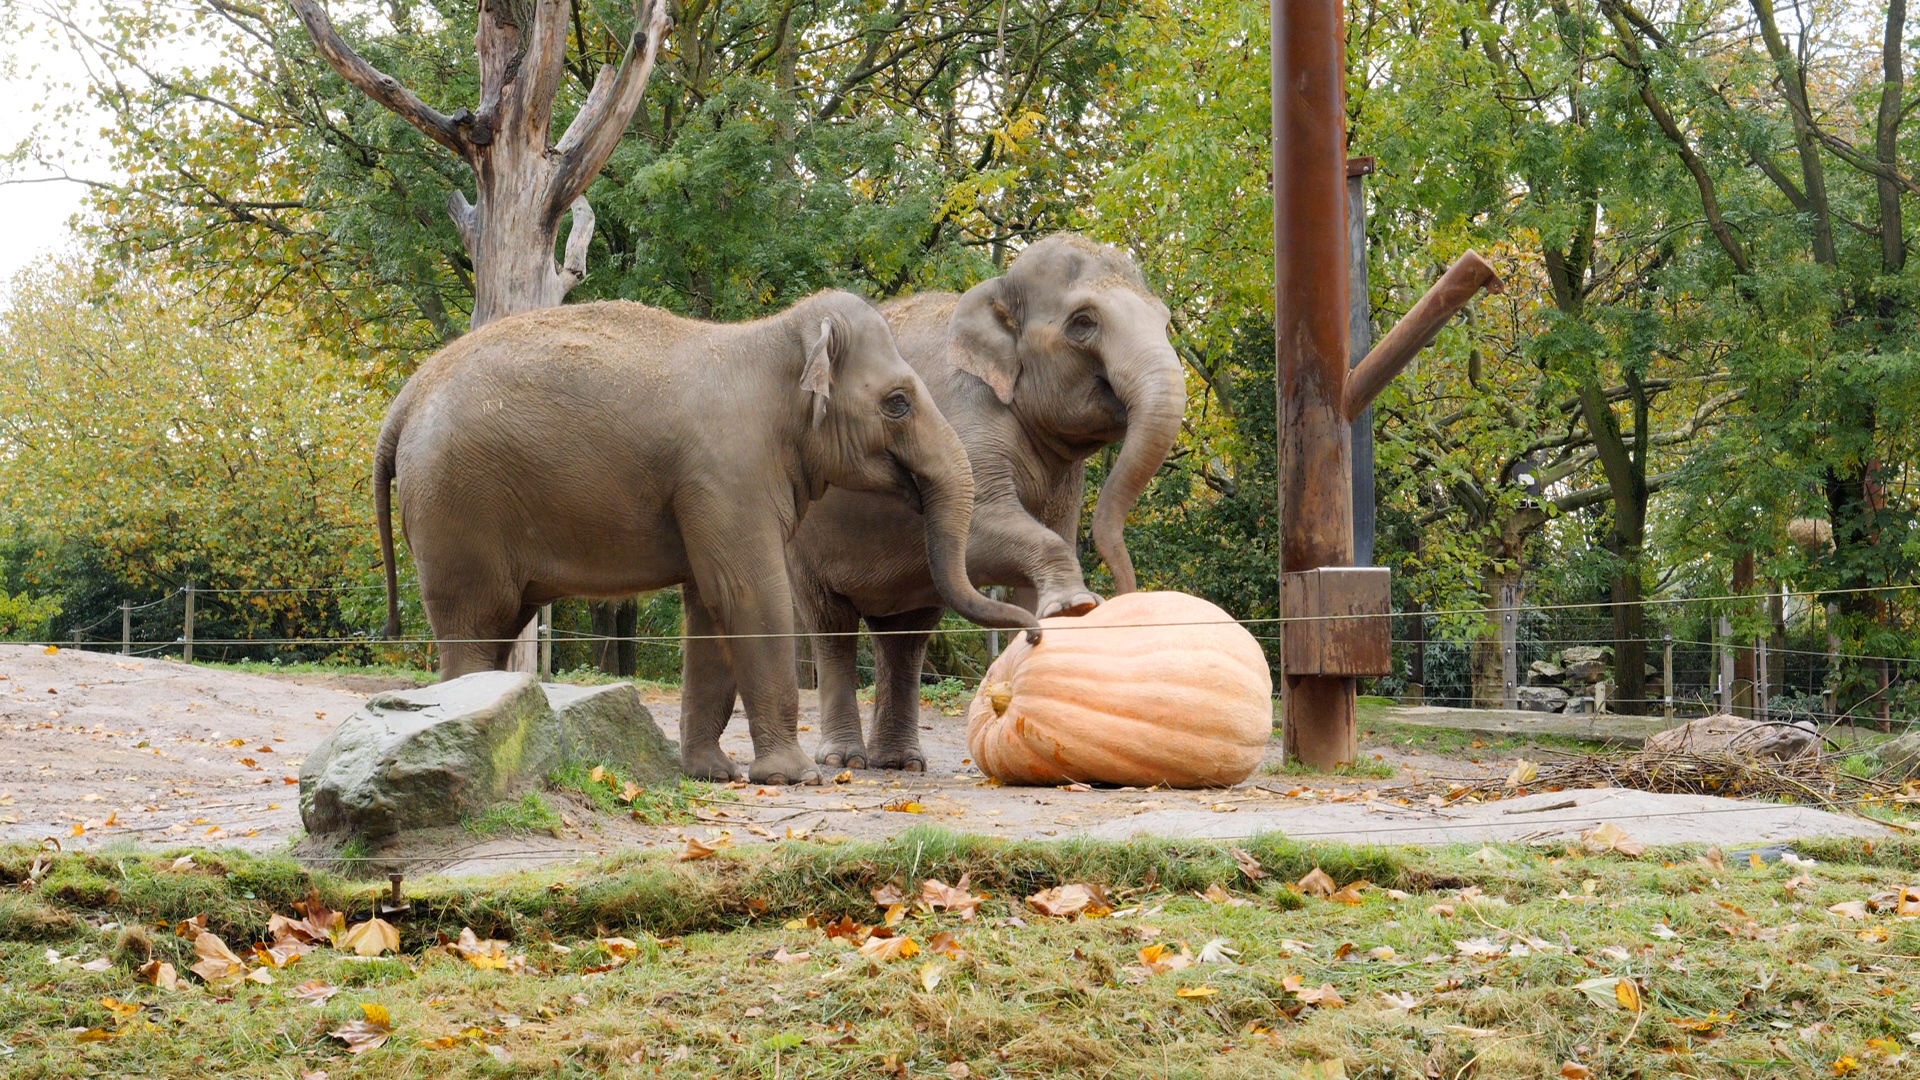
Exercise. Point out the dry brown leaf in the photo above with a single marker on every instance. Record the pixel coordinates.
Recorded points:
(1852, 909)
(1317, 883)
(490, 955)
(315, 992)
(782, 956)
(945, 944)
(160, 974)
(1524, 772)
(1607, 836)
(888, 895)
(1573, 1070)
(937, 895)
(1351, 894)
(695, 850)
(1160, 959)
(368, 1034)
(1066, 901)
(890, 948)
(1248, 865)
(217, 964)
(1217, 895)
(371, 938)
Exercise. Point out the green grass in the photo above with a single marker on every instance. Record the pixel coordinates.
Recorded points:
(263, 667)
(669, 804)
(1790, 989)
(949, 695)
(1449, 741)
(1365, 769)
(529, 814)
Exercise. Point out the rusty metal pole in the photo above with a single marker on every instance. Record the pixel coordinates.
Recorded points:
(1310, 341)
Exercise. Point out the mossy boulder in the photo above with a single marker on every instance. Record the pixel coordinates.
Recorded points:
(416, 759)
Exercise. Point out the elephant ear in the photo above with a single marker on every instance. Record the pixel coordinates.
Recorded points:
(983, 338)
(816, 377)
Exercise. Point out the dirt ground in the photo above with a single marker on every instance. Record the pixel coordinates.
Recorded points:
(97, 749)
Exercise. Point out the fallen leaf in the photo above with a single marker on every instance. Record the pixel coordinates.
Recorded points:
(1066, 901)
(488, 955)
(1217, 895)
(1524, 772)
(1248, 865)
(931, 973)
(888, 895)
(1351, 894)
(1852, 909)
(160, 974)
(1317, 883)
(370, 938)
(1218, 951)
(1611, 991)
(945, 944)
(1402, 1001)
(1160, 959)
(905, 806)
(1607, 836)
(890, 948)
(1573, 1070)
(1330, 1069)
(368, 1034)
(695, 850)
(782, 956)
(217, 964)
(1195, 992)
(937, 895)
(314, 992)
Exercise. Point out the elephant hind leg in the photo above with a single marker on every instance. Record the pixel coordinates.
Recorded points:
(899, 652)
(707, 693)
(473, 635)
(836, 626)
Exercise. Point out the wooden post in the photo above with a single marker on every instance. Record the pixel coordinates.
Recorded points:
(545, 621)
(1359, 340)
(76, 639)
(1745, 696)
(1509, 645)
(1831, 699)
(126, 628)
(1666, 676)
(1725, 642)
(186, 646)
(1760, 678)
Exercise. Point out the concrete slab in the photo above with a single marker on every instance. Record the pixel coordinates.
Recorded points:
(1551, 816)
(1605, 728)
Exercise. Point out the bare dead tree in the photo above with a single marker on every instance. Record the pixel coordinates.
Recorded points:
(524, 181)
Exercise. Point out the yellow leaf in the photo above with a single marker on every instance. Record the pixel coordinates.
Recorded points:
(930, 974)
(1195, 992)
(1524, 772)
(371, 938)
(890, 948)
(1628, 995)
(376, 1014)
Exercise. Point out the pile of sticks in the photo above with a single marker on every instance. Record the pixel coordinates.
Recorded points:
(1811, 780)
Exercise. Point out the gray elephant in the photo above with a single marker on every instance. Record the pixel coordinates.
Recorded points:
(1037, 370)
(607, 449)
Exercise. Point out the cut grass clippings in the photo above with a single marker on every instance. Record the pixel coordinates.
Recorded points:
(1494, 962)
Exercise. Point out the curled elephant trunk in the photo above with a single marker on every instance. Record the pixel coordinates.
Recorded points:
(1153, 388)
(939, 465)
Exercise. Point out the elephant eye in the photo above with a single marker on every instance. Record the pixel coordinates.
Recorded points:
(896, 405)
(1082, 326)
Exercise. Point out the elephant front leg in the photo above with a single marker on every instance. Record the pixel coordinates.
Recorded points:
(899, 652)
(835, 646)
(1008, 546)
(706, 694)
(755, 615)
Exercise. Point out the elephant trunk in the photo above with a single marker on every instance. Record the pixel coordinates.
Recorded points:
(939, 465)
(1153, 388)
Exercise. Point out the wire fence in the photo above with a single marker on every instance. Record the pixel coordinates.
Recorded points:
(1565, 656)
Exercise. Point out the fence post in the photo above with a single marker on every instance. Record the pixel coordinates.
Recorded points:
(126, 628)
(186, 646)
(1723, 631)
(546, 643)
(76, 639)
(1666, 675)
(1509, 647)
(1760, 679)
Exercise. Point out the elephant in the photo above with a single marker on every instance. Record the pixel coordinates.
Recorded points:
(1038, 369)
(606, 449)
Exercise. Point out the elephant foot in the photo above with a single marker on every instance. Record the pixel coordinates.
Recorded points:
(789, 766)
(906, 759)
(708, 763)
(1075, 603)
(841, 754)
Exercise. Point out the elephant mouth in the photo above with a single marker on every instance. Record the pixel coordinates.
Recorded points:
(909, 485)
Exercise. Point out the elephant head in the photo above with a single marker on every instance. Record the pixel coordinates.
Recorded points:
(1071, 341)
(871, 425)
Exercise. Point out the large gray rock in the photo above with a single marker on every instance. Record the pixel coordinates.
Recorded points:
(1724, 733)
(607, 725)
(1586, 671)
(1541, 698)
(421, 758)
(1581, 654)
(1900, 758)
(1543, 672)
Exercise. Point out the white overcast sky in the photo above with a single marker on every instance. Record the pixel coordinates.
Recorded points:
(33, 217)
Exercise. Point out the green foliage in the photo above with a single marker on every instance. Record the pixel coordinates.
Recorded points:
(25, 618)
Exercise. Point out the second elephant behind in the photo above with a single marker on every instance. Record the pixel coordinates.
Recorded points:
(1037, 370)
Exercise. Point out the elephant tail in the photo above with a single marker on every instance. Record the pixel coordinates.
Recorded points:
(383, 456)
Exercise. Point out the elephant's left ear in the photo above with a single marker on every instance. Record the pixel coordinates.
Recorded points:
(816, 377)
(983, 338)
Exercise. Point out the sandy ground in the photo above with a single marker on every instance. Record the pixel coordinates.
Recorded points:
(97, 749)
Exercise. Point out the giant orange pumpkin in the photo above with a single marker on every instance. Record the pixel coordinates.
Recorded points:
(1148, 688)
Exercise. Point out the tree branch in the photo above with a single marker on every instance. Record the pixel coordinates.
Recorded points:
(579, 238)
(464, 221)
(597, 128)
(377, 84)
